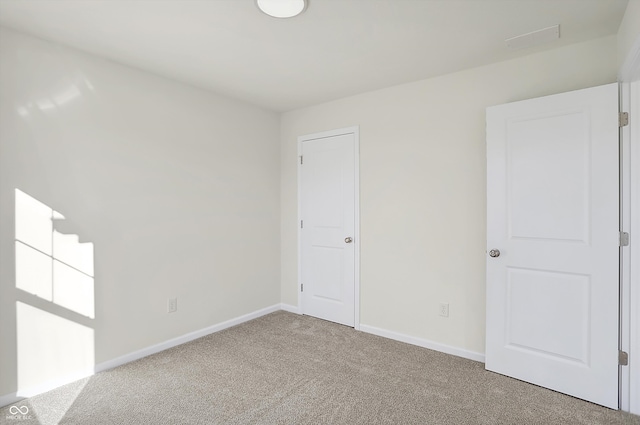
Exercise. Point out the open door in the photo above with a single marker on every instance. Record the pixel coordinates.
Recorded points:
(553, 242)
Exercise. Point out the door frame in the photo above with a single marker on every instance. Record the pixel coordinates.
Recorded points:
(355, 130)
(629, 79)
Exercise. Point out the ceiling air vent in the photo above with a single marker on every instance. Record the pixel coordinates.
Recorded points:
(534, 38)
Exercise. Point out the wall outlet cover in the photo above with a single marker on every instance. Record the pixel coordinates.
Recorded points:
(444, 309)
(172, 305)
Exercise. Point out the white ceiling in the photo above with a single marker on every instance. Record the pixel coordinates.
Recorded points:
(335, 49)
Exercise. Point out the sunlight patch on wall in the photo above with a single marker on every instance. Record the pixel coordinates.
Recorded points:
(51, 265)
(66, 94)
(54, 344)
(34, 271)
(50, 348)
(34, 225)
(72, 289)
(67, 249)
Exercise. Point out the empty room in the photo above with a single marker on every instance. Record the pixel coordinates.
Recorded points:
(320, 212)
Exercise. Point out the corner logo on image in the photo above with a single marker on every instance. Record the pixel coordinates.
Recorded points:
(18, 413)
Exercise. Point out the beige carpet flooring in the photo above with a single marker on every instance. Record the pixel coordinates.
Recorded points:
(289, 369)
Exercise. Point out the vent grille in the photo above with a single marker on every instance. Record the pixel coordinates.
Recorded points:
(534, 38)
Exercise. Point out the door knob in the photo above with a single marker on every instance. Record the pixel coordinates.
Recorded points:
(494, 253)
(348, 240)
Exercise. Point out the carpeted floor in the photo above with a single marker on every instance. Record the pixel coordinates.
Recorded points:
(289, 369)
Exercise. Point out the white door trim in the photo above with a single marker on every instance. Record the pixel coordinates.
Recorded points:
(629, 78)
(355, 130)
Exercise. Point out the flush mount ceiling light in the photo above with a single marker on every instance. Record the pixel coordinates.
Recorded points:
(282, 8)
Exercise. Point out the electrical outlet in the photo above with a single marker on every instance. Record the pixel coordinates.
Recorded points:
(444, 309)
(172, 305)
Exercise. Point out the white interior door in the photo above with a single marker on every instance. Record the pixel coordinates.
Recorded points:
(552, 212)
(328, 226)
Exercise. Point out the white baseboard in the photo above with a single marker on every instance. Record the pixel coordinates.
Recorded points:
(118, 361)
(425, 343)
(290, 308)
(8, 399)
(43, 387)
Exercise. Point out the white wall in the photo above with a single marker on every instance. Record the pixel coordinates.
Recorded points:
(628, 33)
(177, 188)
(422, 177)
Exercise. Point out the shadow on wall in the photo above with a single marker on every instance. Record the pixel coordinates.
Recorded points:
(55, 307)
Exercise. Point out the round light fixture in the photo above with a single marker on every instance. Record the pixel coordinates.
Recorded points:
(282, 8)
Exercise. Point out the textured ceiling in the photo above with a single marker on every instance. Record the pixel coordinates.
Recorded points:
(335, 49)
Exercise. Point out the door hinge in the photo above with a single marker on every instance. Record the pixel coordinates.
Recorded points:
(624, 239)
(300, 159)
(623, 358)
(302, 224)
(302, 287)
(624, 119)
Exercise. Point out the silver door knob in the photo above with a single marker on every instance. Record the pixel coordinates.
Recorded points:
(348, 240)
(494, 253)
